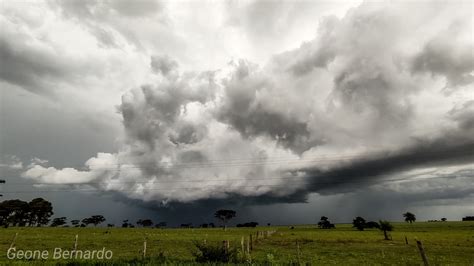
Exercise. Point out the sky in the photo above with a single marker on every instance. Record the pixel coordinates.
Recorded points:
(282, 110)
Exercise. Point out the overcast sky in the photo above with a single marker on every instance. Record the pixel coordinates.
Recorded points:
(282, 110)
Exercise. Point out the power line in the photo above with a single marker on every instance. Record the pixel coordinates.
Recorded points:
(209, 186)
(159, 182)
(252, 162)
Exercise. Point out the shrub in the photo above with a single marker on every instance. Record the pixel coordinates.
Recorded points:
(214, 253)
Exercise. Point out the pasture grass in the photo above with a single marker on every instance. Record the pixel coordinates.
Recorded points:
(446, 243)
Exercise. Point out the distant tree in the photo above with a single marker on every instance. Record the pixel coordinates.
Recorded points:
(110, 225)
(145, 222)
(385, 227)
(75, 223)
(86, 221)
(324, 223)
(212, 225)
(444, 219)
(58, 221)
(4, 212)
(372, 224)
(97, 219)
(409, 217)
(468, 218)
(14, 212)
(40, 210)
(359, 223)
(225, 216)
(94, 219)
(125, 224)
(249, 224)
(161, 224)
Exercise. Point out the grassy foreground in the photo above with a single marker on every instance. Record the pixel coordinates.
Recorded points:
(446, 243)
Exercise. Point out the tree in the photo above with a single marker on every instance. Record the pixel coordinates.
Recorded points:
(225, 216)
(444, 219)
(161, 225)
(58, 221)
(145, 222)
(385, 227)
(14, 212)
(86, 222)
(75, 223)
(126, 224)
(97, 219)
(359, 223)
(40, 212)
(409, 217)
(94, 219)
(324, 223)
(372, 224)
(249, 224)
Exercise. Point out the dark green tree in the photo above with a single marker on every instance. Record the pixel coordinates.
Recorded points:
(409, 217)
(385, 227)
(324, 223)
(75, 223)
(40, 212)
(145, 222)
(225, 216)
(359, 223)
(58, 221)
(14, 212)
(94, 219)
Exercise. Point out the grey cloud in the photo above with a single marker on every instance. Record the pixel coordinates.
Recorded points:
(32, 69)
(448, 55)
(163, 64)
(38, 66)
(97, 9)
(139, 8)
(107, 20)
(343, 91)
(252, 117)
(366, 171)
(464, 116)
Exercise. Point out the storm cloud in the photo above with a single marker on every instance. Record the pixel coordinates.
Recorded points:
(186, 107)
(363, 102)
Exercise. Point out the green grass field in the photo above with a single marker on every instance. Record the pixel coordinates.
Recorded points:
(446, 243)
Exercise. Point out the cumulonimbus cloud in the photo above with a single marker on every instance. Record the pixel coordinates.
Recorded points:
(368, 85)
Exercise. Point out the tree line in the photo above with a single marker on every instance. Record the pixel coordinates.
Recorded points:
(38, 212)
(16, 212)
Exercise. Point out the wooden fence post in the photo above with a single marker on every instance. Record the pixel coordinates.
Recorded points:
(242, 245)
(12, 245)
(422, 252)
(248, 246)
(406, 240)
(75, 243)
(298, 251)
(225, 246)
(251, 242)
(144, 248)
